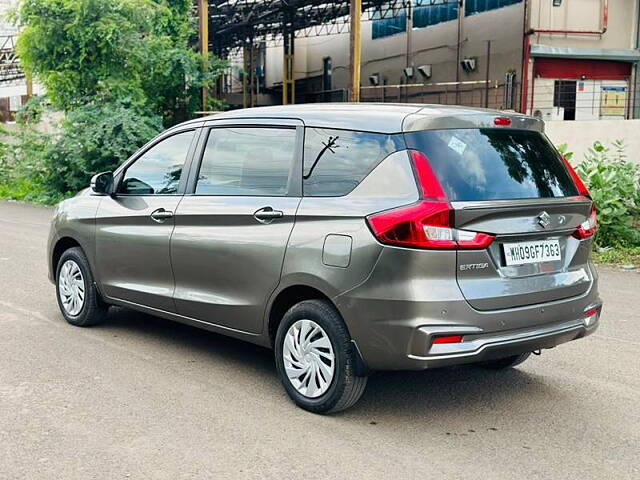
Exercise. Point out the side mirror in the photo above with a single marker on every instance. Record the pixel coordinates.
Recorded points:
(102, 183)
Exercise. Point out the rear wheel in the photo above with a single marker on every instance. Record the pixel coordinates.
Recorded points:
(316, 359)
(506, 362)
(79, 301)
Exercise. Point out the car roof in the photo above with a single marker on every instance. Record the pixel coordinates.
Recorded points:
(379, 117)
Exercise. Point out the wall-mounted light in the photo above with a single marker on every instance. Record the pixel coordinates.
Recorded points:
(408, 72)
(374, 79)
(557, 3)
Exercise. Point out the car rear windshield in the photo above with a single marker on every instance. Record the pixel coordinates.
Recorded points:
(494, 164)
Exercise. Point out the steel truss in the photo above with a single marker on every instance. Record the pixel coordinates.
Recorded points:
(234, 23)
(10, 68)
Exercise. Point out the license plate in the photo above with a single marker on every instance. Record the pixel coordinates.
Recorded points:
(522, 253)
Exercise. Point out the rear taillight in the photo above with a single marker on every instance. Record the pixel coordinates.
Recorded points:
(431, 187)
(427, 224)
(589, 227)
(582, 188)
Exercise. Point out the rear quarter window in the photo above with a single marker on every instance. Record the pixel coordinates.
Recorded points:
(494, 164)
(336, 161)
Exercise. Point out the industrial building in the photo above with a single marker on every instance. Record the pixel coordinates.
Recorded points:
(557, 59)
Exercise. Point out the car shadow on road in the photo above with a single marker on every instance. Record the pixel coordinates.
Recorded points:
(437, 392)
(449, 391)
(189, 341)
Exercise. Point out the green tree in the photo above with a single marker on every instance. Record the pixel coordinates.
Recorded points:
(136, 52)
(120, 70)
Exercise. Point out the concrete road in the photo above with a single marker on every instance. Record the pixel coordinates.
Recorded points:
(140, 397)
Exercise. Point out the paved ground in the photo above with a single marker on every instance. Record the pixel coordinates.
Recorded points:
(140, 397)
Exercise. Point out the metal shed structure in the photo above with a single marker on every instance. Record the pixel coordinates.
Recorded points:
(225, 25)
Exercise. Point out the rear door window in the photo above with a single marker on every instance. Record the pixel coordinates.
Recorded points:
(494, 164)
(247, 161)
(336, 161)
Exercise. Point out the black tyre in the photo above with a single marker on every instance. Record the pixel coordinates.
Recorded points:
(78, 299)
(506, 362)
(316, 359)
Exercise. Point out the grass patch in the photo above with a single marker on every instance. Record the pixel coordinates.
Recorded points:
(27, 190)
(618, 256)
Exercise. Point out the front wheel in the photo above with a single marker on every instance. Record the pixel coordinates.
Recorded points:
(79, 301)
(316, 359)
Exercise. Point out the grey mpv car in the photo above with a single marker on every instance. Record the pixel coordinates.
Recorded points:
(349, 238)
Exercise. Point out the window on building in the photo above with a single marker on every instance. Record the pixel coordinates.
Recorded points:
(473, 7)
(425, 13)
(326, 73)
(564, 96)
(390, 25)
(432, 14)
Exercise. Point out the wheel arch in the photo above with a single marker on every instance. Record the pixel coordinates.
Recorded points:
(290, 295)
(62, 245)
(287, 298)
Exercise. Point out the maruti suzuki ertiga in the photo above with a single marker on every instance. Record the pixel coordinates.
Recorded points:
(348, 238)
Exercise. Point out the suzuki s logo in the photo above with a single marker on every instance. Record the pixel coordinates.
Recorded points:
(544, 220)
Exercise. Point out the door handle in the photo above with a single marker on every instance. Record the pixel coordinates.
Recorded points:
(160, 215)
(267, 214)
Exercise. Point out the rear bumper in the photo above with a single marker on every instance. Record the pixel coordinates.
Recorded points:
(393, 318)
(482, 347)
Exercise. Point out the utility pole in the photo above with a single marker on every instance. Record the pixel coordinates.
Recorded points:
(409, 62)
(203, 39)
(458, 49)
(355, 50)
(29, 80)
(486, 78)
(409, 32)
(289, 59)
(245, 74)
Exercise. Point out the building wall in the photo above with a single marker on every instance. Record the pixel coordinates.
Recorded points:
(585, 15)
(434, 45)
(597, 86)
(579, 136)
(14, 93)
(590, 101)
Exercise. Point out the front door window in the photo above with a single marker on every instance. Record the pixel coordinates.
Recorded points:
(158, 170)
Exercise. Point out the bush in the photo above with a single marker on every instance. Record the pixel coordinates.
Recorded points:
(22, 169)
(95, 138)
(614, 183)
(47, 167)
